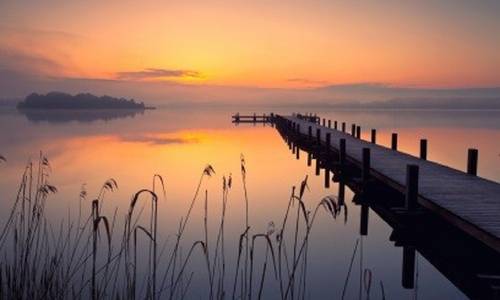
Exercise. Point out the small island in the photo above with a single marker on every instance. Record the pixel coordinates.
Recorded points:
(86, 101)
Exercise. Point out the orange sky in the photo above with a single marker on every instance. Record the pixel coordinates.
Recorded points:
(257, 43)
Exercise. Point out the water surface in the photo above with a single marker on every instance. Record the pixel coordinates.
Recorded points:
(85, 150)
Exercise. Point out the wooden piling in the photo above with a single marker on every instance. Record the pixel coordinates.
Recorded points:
(394, 141)
(366, 165)
(341, 194)
(411, 196)
(329, 123)
(353, 130)
(342, 147)
(358, 132)
(374, 136)
(423, 149)
(343, 126)
(317, 166)
(324, 121)
(363, 226)
(309, 159)
(472, 158)
(327, 178)
(335, 125)
(408, 269)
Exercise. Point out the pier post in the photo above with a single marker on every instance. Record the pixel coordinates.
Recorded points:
(366, 165)
(318, 136)
(335, 125)
(342, 147)
(309, 159)
(329, 123)
(297, 153)
(327, 178)
(411, 187)
(343, 126)
(363, 226)
(472, 155)
(394, 141)
(374, 136)
(408, 267)
(353, 130)
(358, 132)
(324, 122)
(341, 194)
(423, 149)
(317, 166)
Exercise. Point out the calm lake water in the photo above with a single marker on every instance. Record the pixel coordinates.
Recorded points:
(86, 149)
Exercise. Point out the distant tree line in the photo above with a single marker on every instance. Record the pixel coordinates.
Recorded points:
(58, 100)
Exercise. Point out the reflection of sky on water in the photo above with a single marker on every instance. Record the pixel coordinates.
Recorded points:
(179, 143)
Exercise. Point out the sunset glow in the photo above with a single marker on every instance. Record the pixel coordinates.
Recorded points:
(257, 43)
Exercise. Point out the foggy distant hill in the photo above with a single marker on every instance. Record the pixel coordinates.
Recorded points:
(383, 91)
(424, 103)
(58, 100)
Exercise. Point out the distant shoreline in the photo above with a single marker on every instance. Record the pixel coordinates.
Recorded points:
(79, 102)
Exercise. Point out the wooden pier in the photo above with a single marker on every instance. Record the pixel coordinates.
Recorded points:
(237, 118)
(452, 218)
(462, 199)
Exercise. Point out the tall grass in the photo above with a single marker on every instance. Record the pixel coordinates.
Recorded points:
(89, 256)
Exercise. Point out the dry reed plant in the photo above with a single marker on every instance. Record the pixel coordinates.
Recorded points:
(90, 257)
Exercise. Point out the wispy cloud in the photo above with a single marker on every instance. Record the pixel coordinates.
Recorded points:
(307, 81)
(25, 62)
(156, 74)
(37, 52)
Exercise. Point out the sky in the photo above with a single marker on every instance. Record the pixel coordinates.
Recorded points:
(197, 49)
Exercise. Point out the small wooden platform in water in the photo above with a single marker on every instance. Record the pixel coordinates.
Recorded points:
(468, 202)
(237, 118)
